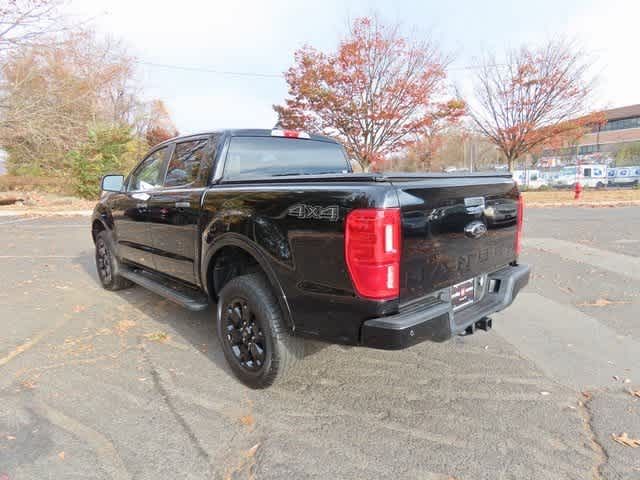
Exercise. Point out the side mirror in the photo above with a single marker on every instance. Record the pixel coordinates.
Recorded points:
(112, 183)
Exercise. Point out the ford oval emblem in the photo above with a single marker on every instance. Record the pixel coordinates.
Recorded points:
(475, 229)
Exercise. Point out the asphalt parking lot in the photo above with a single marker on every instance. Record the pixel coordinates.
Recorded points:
(125, 385)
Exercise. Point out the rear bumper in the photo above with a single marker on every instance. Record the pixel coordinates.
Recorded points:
(435, 320)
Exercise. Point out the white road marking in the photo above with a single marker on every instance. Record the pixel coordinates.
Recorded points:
(18, 220)
(54, 225)
(106, 452)
(30, 343)
(5, 257)
(46, 213)
(614, 262)
(568, 345)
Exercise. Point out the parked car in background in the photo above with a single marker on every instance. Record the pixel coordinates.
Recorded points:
(530, 179)
(624, 176)
(592, 175)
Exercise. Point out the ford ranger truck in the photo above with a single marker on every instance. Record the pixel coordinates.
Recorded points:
(274, 229)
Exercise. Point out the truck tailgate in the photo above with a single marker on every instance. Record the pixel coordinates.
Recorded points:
(454, 229)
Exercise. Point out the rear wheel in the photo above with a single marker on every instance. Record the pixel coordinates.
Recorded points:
(108, 265)
(600, 185)
(251, 331)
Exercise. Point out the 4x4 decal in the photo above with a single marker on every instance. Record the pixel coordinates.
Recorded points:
(317, 212)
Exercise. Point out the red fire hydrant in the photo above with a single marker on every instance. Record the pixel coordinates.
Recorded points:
(577, 190)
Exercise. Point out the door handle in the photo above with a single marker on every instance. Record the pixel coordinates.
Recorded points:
(141, 196)
(182, 204)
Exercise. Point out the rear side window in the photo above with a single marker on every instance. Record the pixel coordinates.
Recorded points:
(184, 166)
(271, 157)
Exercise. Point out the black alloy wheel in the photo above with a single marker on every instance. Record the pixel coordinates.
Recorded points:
(104, 261)
(107, 264)
(244, 334)
(256, 343)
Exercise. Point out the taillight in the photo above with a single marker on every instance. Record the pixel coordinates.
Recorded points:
(518, 243)
(372, 251)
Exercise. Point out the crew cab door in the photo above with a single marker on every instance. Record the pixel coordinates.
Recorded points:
(130, 209)
(174, 209)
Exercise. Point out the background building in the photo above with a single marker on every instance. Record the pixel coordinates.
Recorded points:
(603, 143)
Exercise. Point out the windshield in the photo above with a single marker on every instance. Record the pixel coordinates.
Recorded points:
(271, 157)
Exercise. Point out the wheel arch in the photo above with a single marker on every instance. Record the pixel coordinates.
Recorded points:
(238, 243)
(101, 220)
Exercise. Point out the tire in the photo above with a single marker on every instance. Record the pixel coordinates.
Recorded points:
(107, 264)
(252, 333)
(600, 185)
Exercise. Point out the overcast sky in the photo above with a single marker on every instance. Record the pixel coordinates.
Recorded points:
(261, 36)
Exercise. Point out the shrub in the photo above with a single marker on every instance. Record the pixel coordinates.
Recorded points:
(108, 149)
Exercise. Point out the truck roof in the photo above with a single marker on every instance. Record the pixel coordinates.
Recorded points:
(244, 132)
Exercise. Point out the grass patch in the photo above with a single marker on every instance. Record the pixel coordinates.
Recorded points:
(587, 196)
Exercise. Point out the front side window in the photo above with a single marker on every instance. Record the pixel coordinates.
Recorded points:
(271, 157)
(587, 172)
(150, 173)
(184, 166)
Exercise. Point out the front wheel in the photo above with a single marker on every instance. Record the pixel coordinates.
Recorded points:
(252, 333)
(108, 265)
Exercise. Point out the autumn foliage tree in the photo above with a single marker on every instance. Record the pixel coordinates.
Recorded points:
(158, 125)
(539, 97)
(374, 92)
(28, 23)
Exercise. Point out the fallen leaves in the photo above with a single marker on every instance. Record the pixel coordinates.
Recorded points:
(247, 420)
(567, 290)
(634, 393)
(247, 463)
(159, 337)
(29, 384)
(61, 455)
(602, 302)
(625, 440)
(123, 326)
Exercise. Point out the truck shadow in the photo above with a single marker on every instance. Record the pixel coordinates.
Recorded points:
(198, 329)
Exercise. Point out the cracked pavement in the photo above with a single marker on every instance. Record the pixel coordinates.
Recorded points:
(95, 384)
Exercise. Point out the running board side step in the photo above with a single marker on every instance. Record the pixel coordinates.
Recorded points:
(191, 300)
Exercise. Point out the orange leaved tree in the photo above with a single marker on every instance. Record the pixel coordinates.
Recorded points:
(374, 93)
(539, 97)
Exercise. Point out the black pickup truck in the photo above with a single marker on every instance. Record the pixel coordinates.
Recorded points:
(274, 228)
